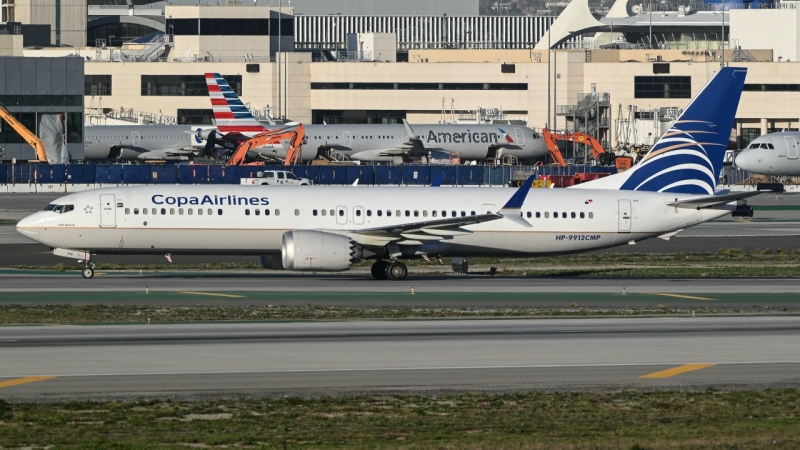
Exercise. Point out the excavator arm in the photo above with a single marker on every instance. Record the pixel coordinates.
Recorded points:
(550, 139)
(296, 136)
(30, 138)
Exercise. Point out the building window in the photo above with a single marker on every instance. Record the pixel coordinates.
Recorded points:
(183, 85)
(97, 85)
(421, 86)
(75, 128)
(344, 116)
(662, 87)
(772, 87)
(195, 116)
(230, 27)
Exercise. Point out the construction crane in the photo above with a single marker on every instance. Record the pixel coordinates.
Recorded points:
(295, 135)
(598, 153)
(30, 138)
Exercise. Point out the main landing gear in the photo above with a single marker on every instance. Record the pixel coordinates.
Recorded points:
(389, 270)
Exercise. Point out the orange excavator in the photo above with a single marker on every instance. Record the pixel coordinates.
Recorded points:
(296, 136)
(598, 152)
(30, 137)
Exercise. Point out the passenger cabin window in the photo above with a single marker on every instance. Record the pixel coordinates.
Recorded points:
(380, 213)
(172, 211)
(314, 212)
(199, 211)
(472, 213)
(266, 212)
(424, 213)
(324, 212)
(332, 214)
(190, 211)
(219, 212)
(591, 215)
(180, 211)
(397, 213)
(277, 212)
(296, 212)
(388, 213)
(433, 213)
(341, 212)
(538, 214)
(163, 211)
(358, 213)
(127, 211)
(529, 215)
(258, 212)
(564, 215)
(246, 212)
(369, 213)
(136, 211)
(573, 215)
(154, 211)
(144, 211)
(582, 215)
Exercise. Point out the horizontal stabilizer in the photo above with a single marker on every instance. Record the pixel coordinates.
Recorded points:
(716, 200)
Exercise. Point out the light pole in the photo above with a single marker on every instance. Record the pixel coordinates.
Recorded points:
(651, 24)
(547, 122)
(723, 34)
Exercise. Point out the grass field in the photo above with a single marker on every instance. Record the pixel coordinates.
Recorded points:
(622, 420)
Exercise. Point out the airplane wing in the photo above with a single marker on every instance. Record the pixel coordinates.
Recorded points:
(411, 146)
(716, 200)
(442, 228)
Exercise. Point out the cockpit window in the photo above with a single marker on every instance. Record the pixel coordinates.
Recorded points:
(754, 146)
(764, 146)
(60, 209)
(770, 147)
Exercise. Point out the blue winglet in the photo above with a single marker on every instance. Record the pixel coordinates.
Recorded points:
(437, 181)
(516, 200)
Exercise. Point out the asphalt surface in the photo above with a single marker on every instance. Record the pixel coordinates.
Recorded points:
(394, 356)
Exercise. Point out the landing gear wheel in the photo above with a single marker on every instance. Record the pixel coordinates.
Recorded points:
(88, 273)
(396, 271)
(379, 270)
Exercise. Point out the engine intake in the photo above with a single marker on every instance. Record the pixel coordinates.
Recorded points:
(306, 250)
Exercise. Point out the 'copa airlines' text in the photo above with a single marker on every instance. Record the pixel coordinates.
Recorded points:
(231, 200)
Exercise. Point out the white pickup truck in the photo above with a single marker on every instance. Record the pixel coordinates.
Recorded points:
(276, 177)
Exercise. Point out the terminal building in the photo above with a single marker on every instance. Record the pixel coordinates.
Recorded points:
(575, 72)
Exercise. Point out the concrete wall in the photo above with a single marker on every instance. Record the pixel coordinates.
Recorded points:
(10, 45)
(72, 28)
(768, 28)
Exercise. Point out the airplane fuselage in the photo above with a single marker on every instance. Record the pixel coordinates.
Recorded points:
(772, 154)
(252, 219)
(136, 142)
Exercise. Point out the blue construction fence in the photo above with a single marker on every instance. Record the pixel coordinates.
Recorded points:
(324, 175)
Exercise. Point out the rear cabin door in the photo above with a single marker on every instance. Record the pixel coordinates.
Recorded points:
(341, 215)
(346, 139)
(135, 138)
(791, 144)
(624, 216)
(520, 137)
(108, 211)
(358, 215)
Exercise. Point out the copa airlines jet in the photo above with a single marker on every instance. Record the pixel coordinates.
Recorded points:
(380, 143)
(772, 154)
(323, 228)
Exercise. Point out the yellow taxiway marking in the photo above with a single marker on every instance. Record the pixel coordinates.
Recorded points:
(691, 297)
(26, 380)
(214, 295)
(677, 370)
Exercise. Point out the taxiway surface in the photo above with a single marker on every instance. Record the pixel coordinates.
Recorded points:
(413, 355)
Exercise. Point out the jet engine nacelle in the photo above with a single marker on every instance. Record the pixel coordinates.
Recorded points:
(306, 250)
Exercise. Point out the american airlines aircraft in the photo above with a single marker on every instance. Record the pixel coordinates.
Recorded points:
(380, 143)
(141, 142)
(325, 228)
(772, 154)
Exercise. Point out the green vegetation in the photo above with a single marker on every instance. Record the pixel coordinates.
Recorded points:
(160, 307)
(622, 420)
(8, 222)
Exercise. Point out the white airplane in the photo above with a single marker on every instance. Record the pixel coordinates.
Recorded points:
(772, 154)
(325, 228)
(142, 142)
(396, 143)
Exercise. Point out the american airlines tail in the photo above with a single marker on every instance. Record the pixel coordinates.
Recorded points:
(688, 158)
(230, 113)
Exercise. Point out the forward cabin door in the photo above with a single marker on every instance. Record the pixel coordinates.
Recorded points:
(791, 144)
(624, 216)
(108, 211)
(520, 137)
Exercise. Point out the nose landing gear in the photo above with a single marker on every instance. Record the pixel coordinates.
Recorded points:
(88, 271)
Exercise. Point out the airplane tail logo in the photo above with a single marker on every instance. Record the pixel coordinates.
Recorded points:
(229, 111)
(508, 136)
(688, 157)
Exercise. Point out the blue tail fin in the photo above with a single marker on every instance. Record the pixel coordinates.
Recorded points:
(688, 157)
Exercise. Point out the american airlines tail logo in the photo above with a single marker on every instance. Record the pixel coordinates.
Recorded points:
(230, 112)
(508, 136)
(678, 162)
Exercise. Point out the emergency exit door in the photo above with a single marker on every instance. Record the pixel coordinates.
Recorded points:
(791, 144)
(108, 211)
(520, 137)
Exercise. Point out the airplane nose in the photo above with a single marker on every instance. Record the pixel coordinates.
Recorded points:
(27, 228)
(744, 160)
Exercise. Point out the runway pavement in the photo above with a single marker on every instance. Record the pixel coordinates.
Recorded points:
(389, 356)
